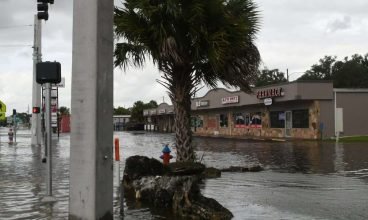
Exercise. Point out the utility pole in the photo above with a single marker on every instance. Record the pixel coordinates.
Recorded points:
(91, 142)
(48, 140)
(36, 88)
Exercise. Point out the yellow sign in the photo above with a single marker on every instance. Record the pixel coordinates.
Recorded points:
(2, 111)
(2, 107)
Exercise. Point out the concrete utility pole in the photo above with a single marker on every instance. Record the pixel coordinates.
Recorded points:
(48, 139)
(91, 147)
(36, 88)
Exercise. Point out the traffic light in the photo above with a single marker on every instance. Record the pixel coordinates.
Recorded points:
(36, 110)
(42, 9)
(14, 112)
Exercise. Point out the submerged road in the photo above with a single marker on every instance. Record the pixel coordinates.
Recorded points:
(302, 180)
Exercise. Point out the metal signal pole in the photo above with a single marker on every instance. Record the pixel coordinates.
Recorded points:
(36, 88)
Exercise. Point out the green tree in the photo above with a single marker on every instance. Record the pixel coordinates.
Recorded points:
(268, 77)
(321, 71)
(151, 104)
(64, 110)
(137, 110)
(352, 73)
(191, 41)
(24, 117)
(348, 73)
(121, 111)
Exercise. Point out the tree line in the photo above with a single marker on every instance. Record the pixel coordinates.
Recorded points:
(347, 73)
(136, 112)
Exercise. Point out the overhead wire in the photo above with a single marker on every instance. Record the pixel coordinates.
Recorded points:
(16, 45)
(16, 26)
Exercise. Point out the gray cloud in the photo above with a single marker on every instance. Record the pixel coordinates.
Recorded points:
(339, 24)
(293, 35)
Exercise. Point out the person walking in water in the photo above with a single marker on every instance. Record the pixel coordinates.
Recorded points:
(10, 135)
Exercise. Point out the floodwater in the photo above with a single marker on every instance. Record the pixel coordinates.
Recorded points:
(302, 180)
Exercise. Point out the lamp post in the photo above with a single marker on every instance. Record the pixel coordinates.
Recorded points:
(288, 75)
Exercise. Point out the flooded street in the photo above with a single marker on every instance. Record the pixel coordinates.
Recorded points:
(302, 180)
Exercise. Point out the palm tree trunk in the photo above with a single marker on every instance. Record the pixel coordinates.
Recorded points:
(181, 89)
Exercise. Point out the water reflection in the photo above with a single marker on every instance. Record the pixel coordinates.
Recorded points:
(304, 157)
(302, 180)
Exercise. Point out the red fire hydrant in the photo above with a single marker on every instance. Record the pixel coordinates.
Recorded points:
(166, 155)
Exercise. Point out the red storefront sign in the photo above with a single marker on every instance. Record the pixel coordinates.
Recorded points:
(269, 93)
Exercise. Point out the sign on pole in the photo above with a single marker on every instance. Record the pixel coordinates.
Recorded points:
(2, 107)
(61, 84)
(2, 110)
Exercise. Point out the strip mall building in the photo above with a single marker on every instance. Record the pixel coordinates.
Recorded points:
(307, 110)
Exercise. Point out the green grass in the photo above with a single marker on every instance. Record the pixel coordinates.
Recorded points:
(353, 139)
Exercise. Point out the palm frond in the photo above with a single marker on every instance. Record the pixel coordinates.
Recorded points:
(128, 54)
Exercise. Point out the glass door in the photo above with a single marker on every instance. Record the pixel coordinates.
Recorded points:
(288, 123)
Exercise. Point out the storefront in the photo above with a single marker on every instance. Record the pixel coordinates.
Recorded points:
(159, 119)
(291, 110)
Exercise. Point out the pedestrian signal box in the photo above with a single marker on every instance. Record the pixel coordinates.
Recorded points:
(48, 72)
(36, 110)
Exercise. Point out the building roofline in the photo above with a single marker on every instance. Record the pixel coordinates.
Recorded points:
(271, 85)
(350, 90)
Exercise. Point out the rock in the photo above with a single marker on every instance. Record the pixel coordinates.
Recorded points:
(211, 172)
(185, 168)
(206, 208)
(235, 169)
(139, 166)
(177, 188)
(256, 168)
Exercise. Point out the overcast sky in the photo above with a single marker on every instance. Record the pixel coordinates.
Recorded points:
(294, 34)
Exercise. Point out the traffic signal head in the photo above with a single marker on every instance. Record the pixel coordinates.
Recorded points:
(46, 1)
(36, 110)
(14, 112)
(42, 9)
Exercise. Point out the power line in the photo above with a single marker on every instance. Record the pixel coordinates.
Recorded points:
(15, 45)
(16, 26)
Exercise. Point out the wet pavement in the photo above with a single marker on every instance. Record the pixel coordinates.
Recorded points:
(302, 180)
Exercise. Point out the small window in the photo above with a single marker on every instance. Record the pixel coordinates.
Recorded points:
(255, 120)
(277, 119)
(301, 118)
(223, 120)
(239, 120)
(197, 121)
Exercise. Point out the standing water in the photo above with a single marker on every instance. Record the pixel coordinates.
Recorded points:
(302, 180)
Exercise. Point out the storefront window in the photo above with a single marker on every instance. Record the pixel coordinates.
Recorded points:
(301, 118)
(255, 120)
(239, 120)
(277, 119)
(197, 122)
(223, 120)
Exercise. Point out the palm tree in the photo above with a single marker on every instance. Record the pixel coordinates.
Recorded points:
(191, 41)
